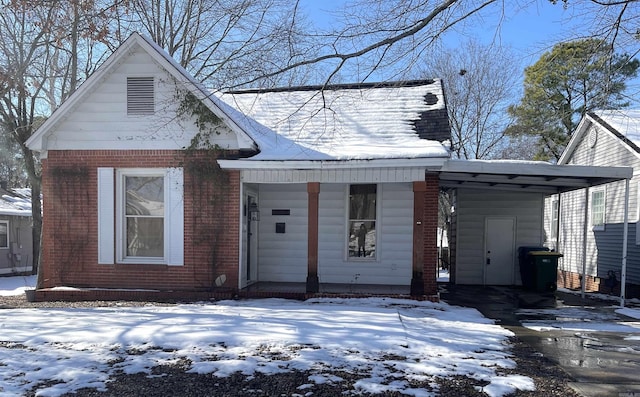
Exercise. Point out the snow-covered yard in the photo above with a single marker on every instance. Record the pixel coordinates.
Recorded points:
(392, 341)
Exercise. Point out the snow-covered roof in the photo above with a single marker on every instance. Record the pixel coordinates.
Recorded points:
(625, 122)
(402, 120)
(621, 123)
(16, 203)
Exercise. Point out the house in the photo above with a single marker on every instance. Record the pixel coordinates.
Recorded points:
(155, 188)
(16, 240)
(588, 226)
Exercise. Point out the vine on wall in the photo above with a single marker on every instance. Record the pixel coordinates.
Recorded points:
(208, 183)
(70, 195)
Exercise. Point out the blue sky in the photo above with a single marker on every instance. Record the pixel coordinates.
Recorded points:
(529, 27)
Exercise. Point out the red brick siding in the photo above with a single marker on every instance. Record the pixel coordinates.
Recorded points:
(430, 233)
(70, 228)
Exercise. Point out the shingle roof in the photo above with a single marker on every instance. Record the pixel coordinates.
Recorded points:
(349, 121)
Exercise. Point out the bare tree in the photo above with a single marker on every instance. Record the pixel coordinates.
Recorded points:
(480, 81)
(40, 55)
(219, 41)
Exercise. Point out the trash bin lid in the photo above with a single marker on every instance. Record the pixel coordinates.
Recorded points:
(545, 253)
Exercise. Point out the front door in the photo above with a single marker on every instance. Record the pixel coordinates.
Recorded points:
(499, 261)
(250, 238)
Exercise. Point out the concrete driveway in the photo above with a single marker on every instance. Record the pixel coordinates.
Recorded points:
(568, 330)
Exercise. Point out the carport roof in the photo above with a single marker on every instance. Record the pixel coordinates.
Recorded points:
(527, 176)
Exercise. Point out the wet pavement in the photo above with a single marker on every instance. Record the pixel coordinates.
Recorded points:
(597, 347)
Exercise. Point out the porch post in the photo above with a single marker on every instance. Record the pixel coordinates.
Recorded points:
(313, 284)
(417, 279)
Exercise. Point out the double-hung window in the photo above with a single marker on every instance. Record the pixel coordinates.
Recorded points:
(361, 238)
(4, 234)
(142, 209)
(598, 209)
(554, 219)
(140, 216)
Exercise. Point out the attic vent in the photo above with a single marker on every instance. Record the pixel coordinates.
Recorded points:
(140, 96)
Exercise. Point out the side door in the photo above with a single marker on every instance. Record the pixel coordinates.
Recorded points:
(499, 261)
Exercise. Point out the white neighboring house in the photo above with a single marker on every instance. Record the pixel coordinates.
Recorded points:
(603, 138)
(16, 240)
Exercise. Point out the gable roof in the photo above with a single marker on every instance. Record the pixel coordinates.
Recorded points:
(369, 121)
(624, 124)
(37, 141)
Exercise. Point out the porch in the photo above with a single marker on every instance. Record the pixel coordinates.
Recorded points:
(299, 290)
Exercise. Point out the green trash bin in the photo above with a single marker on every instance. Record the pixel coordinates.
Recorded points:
(545, 270)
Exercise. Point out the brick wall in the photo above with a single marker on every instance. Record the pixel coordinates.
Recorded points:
(430, 233)
(70, 226)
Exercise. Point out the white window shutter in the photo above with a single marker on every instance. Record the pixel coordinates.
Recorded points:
(175, 217)
(106, 216)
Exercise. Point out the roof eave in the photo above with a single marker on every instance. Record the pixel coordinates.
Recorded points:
(433, 163)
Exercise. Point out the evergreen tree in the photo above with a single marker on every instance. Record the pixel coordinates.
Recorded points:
(563, 85)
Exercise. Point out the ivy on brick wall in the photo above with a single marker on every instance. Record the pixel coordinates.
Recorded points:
(71, 198)
(208, 183)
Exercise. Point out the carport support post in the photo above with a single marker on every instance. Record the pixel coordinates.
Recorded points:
(625, 238)
(313, 284)
(585, 232)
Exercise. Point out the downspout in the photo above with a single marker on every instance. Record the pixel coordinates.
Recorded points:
(625, 235)
(584, 243)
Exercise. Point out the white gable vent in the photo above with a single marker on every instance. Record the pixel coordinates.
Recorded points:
(140, 96)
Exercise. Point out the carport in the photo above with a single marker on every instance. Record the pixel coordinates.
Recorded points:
(498, 205)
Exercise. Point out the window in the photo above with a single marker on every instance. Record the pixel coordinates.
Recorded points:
(140, 96)
(362, 222)
(597, 209)
(140, 216)
(4, 234)
(143, 224)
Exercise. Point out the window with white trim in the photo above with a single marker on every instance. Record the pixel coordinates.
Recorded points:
(140, 216)
(140, 96)
(361, 236)
(598, 209)
(4, 234)
(141, 213)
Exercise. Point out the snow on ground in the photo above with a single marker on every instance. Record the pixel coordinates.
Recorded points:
(388, 341)
(12, 286)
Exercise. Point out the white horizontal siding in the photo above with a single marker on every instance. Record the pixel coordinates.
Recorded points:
(395, 237)
(351, 175)
(100, 121)
(283, 257)
(473, 207)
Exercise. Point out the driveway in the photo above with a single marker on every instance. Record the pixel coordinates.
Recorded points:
(597, 346)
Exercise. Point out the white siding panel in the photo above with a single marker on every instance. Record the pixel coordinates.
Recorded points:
(395, 237)
(100, 121)
(283, 257)
(371, 175)
(473, 207)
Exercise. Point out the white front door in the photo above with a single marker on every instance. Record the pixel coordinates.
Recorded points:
(499, 260)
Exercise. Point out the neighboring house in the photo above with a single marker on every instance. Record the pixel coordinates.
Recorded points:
(318, 190)
(16, 228)
(603, 138)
